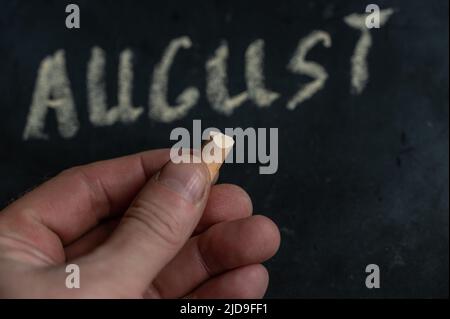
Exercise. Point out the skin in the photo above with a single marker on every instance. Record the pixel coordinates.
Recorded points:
(134, 237)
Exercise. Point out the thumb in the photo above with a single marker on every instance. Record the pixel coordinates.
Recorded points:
(155, 227)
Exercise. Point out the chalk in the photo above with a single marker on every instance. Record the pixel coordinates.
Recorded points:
(215, 151)
(360, 67)
(300, 65)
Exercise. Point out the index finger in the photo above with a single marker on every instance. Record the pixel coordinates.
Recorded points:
(79, 198)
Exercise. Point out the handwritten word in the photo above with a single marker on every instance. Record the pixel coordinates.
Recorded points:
(53, 88)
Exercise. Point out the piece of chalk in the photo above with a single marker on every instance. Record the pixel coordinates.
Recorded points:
(215, 151)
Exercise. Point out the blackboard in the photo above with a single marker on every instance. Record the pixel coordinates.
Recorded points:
(363, 170)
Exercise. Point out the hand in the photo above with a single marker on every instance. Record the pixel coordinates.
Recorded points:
(135, 233)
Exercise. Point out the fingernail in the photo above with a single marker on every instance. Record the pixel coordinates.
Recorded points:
(188, 180)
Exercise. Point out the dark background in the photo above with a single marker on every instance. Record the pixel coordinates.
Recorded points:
(362, 179)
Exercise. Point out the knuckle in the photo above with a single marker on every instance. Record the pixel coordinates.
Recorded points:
(90, 186)
(71, 172)
(158, 221)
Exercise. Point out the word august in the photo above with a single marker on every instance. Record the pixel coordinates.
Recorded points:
(53, 88)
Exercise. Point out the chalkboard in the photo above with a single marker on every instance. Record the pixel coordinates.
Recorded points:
(363, 153)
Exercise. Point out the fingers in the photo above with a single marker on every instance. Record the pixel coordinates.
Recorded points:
(223, 247)
(74, 201)
(155, 227)
(225, 203)
(91, 240)
(248, 282)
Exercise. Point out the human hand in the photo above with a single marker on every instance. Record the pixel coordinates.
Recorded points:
(135, 233)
